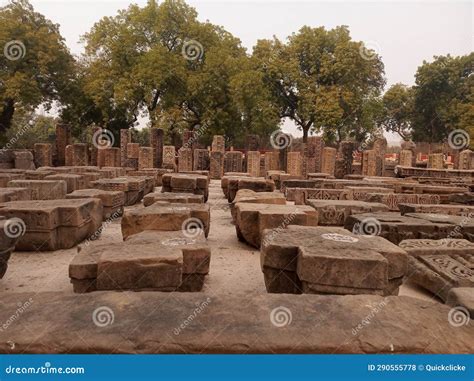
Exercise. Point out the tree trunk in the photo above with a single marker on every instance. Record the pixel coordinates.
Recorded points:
(6, 115)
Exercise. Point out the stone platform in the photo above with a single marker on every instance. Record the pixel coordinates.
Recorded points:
(42, 189)
(134, 188)
(167, 217)
(186, 183)
(54, 224)
(335, 212)
(151, 260)
(112, 201)
(177, 198)
(441, 265)
(252, 219)
(153, 322)
(330, 260)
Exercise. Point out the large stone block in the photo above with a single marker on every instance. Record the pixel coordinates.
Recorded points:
(5, 178)
(251, 219)
(301, 195)
(335, 212)
(112, 201)
(185, 159)
(151, 260)
(23, 160)
(176, 198)
(455, 210)
(77, 154)
(393, 200)
(133, 187)
(145, 158)
(233, 161)
(328, 161)
(201, 160)
(247, 195)
(43, 153)
(257, 184)
(156, 143)
(216, 165)
(330, 260)
(253, 163)
(186, 183)
(15, 194)
(324, 324)
(73, 182)
(54, 224)
(42, 189)
(167, 217)
(397, 228)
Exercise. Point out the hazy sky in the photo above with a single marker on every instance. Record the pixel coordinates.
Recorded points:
(403, 33)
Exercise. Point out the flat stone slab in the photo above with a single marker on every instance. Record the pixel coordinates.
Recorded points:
(402, 171)
(151, 322)
(257, 184)
(177, 198)
(133, 187)
(151, 260)
(73, 181)
(397, 228)
(6, 177)
(54, 224)
(463, 226)
(393, 200)
(112, 201)
(15, 194)
(455, 210)
(462, 297)
(252, 219)
(42, 189)
(330, 260)
(440, 265)
(167, 217)
(301, 195)
(186, 183)
(335, 212)
(250, 196)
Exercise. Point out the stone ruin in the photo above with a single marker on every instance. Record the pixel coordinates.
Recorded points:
(326, 220)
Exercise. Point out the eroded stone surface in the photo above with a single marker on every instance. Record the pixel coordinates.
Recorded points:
(54, 224)
(186, 183)
(133, 187)
(15, 194)
(257, 184)
(166, 217)
(161, 261)
(319, 324)
(463, 297)
(456, 210)
(42, 189)
(335, 212)
(177, 198)
(325, 261)
(112, 201)
(252, 219)
(397, 228)
(440, 265)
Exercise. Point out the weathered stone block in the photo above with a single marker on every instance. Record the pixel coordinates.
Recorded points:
(54, 224)
(251, 219)
(176, 198)
(112, 201)
(42, 189)
(335, 212)
(167, 217)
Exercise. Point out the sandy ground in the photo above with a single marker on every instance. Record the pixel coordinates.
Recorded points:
(235, 267)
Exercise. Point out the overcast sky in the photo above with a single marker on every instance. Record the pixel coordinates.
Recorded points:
(403, 33)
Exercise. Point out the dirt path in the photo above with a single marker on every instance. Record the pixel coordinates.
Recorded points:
(235, 267)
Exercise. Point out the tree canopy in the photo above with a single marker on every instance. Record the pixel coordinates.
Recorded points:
(159, 62)
(36, 67)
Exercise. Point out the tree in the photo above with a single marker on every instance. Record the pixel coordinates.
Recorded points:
(36, 67)
(443, 97)
(159, 61)
(398, 110)
(321, 79)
